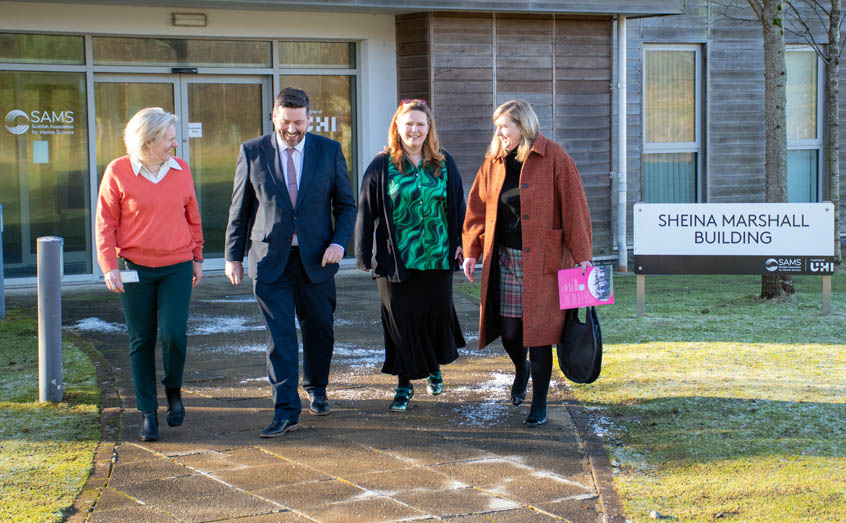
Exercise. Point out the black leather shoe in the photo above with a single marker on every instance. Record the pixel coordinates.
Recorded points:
(319, 405)
(279, 427)
(175, 408)
(521, 383)
(535, 420)
(149, 426)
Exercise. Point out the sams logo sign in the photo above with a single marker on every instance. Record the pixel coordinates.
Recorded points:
(19, 122)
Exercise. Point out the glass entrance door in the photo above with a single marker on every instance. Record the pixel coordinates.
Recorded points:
(215, 114)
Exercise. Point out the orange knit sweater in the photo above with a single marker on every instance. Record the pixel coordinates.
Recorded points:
(149, 224)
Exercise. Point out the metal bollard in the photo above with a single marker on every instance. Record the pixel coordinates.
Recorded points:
(50, 378)
(2, 271)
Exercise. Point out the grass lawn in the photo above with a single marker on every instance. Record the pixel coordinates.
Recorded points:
(46, 450)
(719, 406)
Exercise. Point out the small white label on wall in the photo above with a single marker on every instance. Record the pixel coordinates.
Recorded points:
(40, 151)
(195, 129)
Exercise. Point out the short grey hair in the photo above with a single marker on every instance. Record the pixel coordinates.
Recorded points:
(146, 126)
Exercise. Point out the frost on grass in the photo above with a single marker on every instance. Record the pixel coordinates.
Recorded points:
(487, 409)
(98, 325)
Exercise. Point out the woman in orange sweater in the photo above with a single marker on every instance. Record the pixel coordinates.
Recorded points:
(148, 217)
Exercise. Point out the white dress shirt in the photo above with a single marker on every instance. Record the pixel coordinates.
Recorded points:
(138, 168)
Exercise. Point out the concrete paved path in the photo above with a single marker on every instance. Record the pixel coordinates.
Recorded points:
(462, 456)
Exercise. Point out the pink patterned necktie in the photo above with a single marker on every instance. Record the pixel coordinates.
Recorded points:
(292, 177)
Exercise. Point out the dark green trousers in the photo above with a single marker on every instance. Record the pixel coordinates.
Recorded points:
(158, 302)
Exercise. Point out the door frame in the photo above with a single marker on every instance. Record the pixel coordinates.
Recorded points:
(180, 84)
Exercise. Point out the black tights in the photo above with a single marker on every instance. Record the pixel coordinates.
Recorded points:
(539, 357)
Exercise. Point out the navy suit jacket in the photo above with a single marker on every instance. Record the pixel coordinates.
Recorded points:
(262, 219)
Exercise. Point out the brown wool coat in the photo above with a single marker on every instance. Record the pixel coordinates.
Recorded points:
(550, 185)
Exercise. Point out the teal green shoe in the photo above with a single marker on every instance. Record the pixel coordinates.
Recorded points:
(401, 399)
(435, 383)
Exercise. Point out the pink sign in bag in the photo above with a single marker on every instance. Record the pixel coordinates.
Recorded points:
(594, 287)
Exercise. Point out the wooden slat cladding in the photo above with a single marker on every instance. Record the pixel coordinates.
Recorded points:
(524, 61)
(583, 62)
(561, 66)
(462, 87)
(412, 37)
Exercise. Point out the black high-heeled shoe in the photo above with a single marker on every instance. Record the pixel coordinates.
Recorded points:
(535, 419)
(521, 383)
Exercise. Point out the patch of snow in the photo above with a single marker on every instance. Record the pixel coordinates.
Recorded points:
(488, 410)
(239, 349)
(357, 356)
(223, 325)
(232, 299)
(98, 325)
(251, 380)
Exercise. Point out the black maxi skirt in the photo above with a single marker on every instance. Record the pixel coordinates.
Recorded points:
(420, 323)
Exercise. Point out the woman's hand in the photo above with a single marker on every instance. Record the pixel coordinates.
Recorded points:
(469, 269)
(198, 273)
(113, 281)
(459, 256)
(584, 265)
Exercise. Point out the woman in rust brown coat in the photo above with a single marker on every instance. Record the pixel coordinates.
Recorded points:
(527, 217)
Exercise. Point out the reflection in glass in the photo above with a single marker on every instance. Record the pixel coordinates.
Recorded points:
(332, 114)
(229, 114)
(175, 51)
(317, 55)
(669, 178)
(114, 105)
(44, 187)
(802, 176)
(41, 49)
(801, 95)
(670, 96)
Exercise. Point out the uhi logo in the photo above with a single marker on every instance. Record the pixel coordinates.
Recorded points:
(11, 122)
(821, 266)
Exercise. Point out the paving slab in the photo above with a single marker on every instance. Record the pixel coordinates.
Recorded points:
(461, 456)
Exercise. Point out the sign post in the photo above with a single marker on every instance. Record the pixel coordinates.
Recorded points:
(740, 238)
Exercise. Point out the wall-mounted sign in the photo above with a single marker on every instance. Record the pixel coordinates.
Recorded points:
(740, 238)
(195, 129)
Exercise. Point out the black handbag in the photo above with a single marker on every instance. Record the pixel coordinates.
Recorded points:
(580, 348)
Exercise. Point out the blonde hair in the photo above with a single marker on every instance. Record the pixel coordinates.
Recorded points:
(524, 116)
(146, 126)
(431, 146)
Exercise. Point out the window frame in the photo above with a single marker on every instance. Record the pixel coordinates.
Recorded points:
(696, 146)
(817, 144)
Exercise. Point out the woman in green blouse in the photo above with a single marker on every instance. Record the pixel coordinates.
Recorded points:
(412, 204)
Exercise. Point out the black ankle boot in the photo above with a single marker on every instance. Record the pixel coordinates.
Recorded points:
(175, 408)
(149, 426)
(536, 418)
(521, 383)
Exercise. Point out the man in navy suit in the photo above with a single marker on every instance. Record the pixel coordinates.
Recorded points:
(288, 184)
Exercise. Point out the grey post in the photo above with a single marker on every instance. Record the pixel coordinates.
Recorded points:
(826, 294)
(50, 377)
(2, 270)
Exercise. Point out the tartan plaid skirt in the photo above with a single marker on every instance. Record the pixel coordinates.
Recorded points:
(510, 282)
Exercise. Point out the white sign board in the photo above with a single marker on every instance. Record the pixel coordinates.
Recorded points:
(754, 236)
(195, 129)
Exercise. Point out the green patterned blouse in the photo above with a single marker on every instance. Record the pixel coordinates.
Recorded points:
(419, 210)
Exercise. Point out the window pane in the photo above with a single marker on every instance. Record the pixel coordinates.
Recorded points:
(332, 114)
(229, 114)
(44, 160)
(317, 54)
(670, 96)
(114, 105)
(172, 51)
(41, 49)
(669, 178)
(802, 175)
(801, 95)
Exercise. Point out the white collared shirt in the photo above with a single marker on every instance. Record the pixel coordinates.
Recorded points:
(138, 168)
(298, 157)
